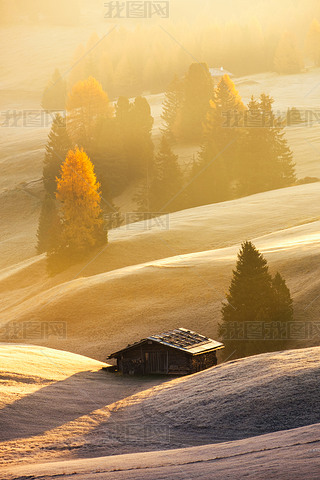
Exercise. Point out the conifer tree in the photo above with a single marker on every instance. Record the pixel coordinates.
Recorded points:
(140, 142)
(213, 173)
(165, 190)
(79, 196)
(56, 151)
(86, 104)
(171, 109)
(198, 90)
(110, 159)
(256, 299)
(250, 293)
(265, 158)
(124, 125)
(227, 99)
(282, 301)
(54, 95)
(122, 115)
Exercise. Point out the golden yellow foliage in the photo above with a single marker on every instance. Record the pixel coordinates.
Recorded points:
(78, 192)
(86, 103)
(238, 103)
(224, 108)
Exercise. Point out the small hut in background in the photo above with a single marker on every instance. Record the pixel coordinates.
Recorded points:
(178, 352)
(218, 73)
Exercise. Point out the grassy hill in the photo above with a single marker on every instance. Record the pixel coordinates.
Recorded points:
(147, 281)
(100, 413)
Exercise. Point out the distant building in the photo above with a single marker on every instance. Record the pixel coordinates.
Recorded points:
(178, 352)
(217, 73)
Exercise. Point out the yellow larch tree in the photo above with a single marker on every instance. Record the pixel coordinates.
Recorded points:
(79, 196)
(86, 104)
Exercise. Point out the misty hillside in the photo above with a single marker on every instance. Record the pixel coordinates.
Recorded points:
(186, 285)
(159, 170)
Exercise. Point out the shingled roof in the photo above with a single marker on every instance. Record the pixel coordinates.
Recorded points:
(180, 339)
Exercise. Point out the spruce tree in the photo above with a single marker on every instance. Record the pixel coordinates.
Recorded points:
(250, 294)
(255, 300)
(265, 158)
(247, 303)
(111, 162)
(282, 301)
(165, 190)
(212, 176)
(198, 91)
(278, 169)
(56, 151)
(125, 132)
(171, 108)
(140, 142)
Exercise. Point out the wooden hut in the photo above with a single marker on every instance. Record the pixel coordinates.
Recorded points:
(178, 352)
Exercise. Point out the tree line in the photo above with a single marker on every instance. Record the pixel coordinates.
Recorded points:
(242, 148)
(131, 62)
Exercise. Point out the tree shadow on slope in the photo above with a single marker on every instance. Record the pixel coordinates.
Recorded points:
(64, 401)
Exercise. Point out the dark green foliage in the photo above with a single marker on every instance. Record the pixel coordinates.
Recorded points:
(56, 151)
(255, 304)
(250, 293)
(54, 95)
(282, 308)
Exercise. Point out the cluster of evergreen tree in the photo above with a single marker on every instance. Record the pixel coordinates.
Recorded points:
(118, 139)
(258, 307)
(186, 104)
(244, 150)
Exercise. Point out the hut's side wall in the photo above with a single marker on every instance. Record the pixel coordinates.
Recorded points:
(151, 358)
(203, 361)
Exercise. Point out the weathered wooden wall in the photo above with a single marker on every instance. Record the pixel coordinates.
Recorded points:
(153, 357)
